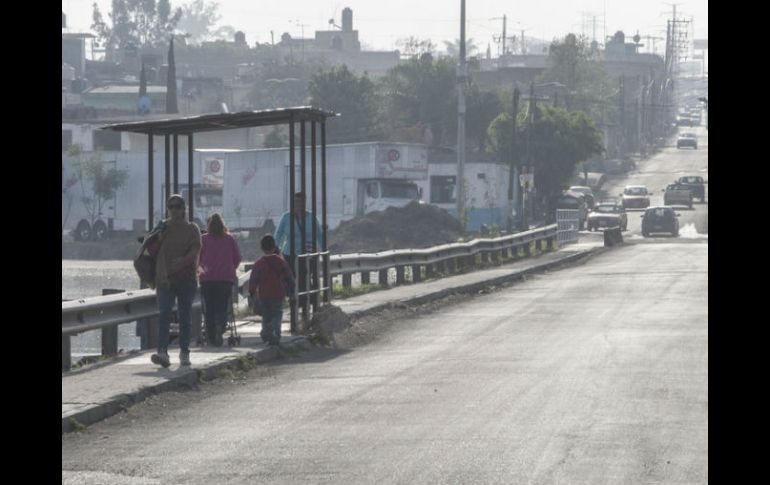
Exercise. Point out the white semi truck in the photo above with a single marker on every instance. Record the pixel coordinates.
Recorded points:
(249, 187)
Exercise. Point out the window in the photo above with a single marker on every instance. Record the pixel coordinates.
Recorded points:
(107, 140)
(373, 190)
(396, 190)
(442, 189)
(636, 191)
(66, 140)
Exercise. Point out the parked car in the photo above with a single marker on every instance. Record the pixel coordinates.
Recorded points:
(696, 185)
(607, 215)
(574, 200)
(687, 140)
(661, 219)
(677, 194)
(587, 192)
(636, 196)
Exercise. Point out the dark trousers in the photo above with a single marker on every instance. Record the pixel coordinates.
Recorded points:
(272, 313)
(303, 278)
(183, 291)
(216, 295)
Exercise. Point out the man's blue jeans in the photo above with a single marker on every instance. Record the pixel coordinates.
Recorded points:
(272, 313)
(183, 291)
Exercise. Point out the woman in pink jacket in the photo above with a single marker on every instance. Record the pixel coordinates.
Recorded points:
(219, 259)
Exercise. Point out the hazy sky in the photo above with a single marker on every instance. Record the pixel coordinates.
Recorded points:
(381, 23)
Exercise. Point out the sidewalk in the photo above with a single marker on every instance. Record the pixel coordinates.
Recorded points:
(104, 389)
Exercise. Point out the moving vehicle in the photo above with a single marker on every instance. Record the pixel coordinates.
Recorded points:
(635, 196)
(696, 185)
(606, 215)
(687, 140)
(660, 219)
(676, 194)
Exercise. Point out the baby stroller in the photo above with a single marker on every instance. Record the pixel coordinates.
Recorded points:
(233, 339)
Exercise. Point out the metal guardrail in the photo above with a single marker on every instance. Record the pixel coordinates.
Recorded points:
(107, 312)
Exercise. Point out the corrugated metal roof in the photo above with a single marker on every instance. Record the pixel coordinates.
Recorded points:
(223, 121)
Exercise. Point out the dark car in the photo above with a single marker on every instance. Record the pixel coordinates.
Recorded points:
(696, 185)
(660, 219)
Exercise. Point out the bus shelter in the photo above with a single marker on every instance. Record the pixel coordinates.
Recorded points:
(171, 129)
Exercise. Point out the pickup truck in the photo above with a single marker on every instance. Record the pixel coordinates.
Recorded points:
(676, 194)
(696, 185)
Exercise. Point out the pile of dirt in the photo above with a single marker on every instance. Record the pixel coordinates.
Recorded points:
(413, 226)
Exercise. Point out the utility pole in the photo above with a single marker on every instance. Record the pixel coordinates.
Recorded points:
(622, 106)
(462, 73)
(505, 21)
(502, 40)
(513, 165)
(524, 219)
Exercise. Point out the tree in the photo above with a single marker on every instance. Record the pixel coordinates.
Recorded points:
(354, 98)
(572, 63)
(104, 181)
(419, 100)
(559, 141)
(66, 184)
(481, 108)
(277, 138)
(198, 19)
(499, 135)
(453, 48)
(415, 47)
(141, 23)
(171, 99)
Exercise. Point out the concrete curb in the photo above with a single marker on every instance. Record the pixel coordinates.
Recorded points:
(103, 410)
(476, 287)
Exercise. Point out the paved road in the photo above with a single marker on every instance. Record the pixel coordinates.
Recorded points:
(661, 170)
(593, 374)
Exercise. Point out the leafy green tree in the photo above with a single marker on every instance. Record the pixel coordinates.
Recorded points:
(199, 19)
(420, 101)
(415, 47)
(103, 182)
(482, 107)
(453, 48)
(141, 23)
(277, 138)
(353, 97)
(572, 63)
(559, 140)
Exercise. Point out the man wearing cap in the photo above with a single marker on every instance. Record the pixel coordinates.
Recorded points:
(177, 251)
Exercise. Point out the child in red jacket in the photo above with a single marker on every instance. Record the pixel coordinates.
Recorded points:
(271, 280)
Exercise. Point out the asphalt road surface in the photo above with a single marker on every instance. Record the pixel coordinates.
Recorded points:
(593, 374)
